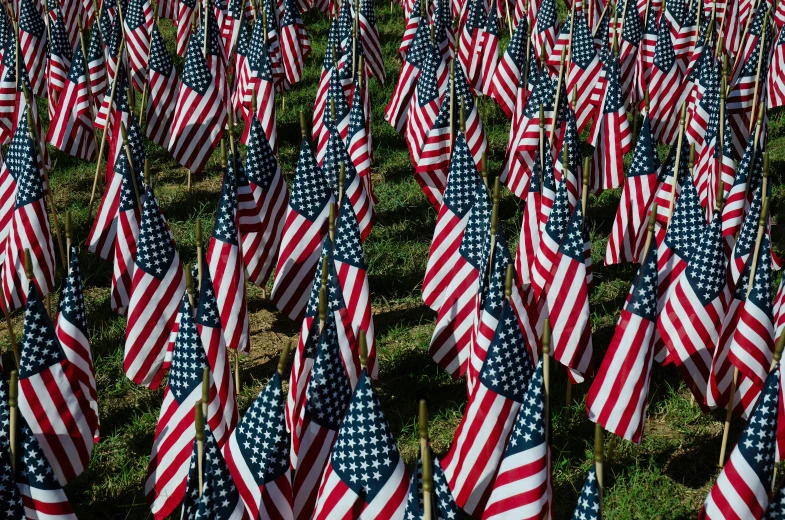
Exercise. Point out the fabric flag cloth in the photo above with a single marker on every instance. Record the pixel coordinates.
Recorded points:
(424, 107)
(510, 70)
(327, 397)
(444, 506)
(748, 173)
(776, 508)
(158, 283)
(7, 203)
(138, 22)
(371, 44)
(551, 237)
(29, 225)
(523, 488)
(663, 89)
(163, 87)
(10, 493)
(691, 318)
(589, 498)
(347, 490)
(584, 71)
(321, 106)
(33, 45)
(544, 31)
(227, 270)
(71, 129)
(470, 45)
(200, 111)
(479, 443)
(264, 85)
(60, 55)
(71, 330)
(489, 50)
(261, 470)
(779, 309)
(96, 63)
(398, 107)
(629, 44)
(303, 232)
(115, 64)
(262, 198)
(217, 496)
(775, 81)
(618, 397)
(644, 60)
(743, 487)
(295, 44)
(637, 195)
(183, 21)
(50, 396)
(360, 146)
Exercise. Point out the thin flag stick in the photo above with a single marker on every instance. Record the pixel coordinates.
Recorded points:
(69, 229)
(284, 358)
(599, 460)
(189, 285)
(558, 91)
(10, 327)
(129, 156)
(546, 373)
(427, 462)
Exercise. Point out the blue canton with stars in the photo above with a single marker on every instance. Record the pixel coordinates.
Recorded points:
(33, 468)
(445, 506)
(334, 156)
(156, 252)
(516, 49)
(357, 112)
(160, 61)
(309, 192)
(546, 16)
(72, 306)
(365, 455)
(572, 245)
(427, 86)
(462, 179)
(40, 347)
(262, 436)
(588, 507)
(582, 50)
(529, 429)
(687, 223)
(348, 246)
(560, 214)
(208, 314)
(760, 294)
(188, 357)
(476, 238)
(664, 56)
(335, 92)
(493, 292)
(134, 16)
(127, 192)
(30, 20)
(329, 389)
(59, 44)
(643, 294)
(419, 45)
(631, 30)
(312, 308)
(706, 270)
(220, 497)
(544, 94)
(76, 73)
(261, 167)
(614, 100)
(225, 228)
(22, 164)
(645, 159)
(507, 369)
(196, 72)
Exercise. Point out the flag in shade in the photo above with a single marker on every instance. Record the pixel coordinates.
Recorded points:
(42, 494)
(60, 55)
(32, 44)
(347, 490)
(589, 498)
(10, 493)
(743, 487)
(478, 447)
(748, 233)
(96, 62)
(629, 43)
(226, 266)
(158, 283)
(544, 31)
(398, 107)
(636, 198)
(212, 494)
(71, 330)
(444, 507)
(775, 82)
(776, 509)
(663, 89)
(163, 86)
(200, 111)
(690, 321)
(261, 470)
(424, 107)
(185, 13)
(584, 71)
(369, 38)
(29, 225)
(262, 198)
(71, 127)
(295, 44)
(533, 221)
(326, 400)
(50, 396)
(509, 72)
(138, 22)
(303, 231)
(619, 395)
(567, 295)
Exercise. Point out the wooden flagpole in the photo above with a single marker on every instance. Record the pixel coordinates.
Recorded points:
(362, 344)
(9, 326)
(546, 374)
(599, 460)
(189, 285)
(427, 462)
(69, 229)
(13, 409)
(199, 254)
(199, 424)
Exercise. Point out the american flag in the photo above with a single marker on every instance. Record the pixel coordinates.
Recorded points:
(71, 330)
(475, 132)
(60, 55)
(636, 198)
(371, 44)
(352, 274)
(589, 499)
(222, 410)
(10, 495)
(779, 309)
(327, 396)
(273, 45)
(644, 61)
(398, 107)
(444, 507)
(469, 55)
(673, 14)
(424, 107)
(744, 485)
(685, 38)
(295, 44)
(138, 22)
(32, 44)
(584, 71)
(321, 106)
(410, 30)
(431, 172)
(663, 89)
(618, 397)
(715, 161)
(360, 142)
(158, 283)
(114, 66)
(338, 125)
(745, 243)
(29, 224)
(50, 396)
(489, 51)
(572, 172)
(692, 315)
(185, 12)
(232, 20)
(227, 269)
(509, 72)
(304, 229)
(775, 83)
(346, 487)
(242, 96)
(732, 29)
(568, 302)
(262, 198)
(71, 129)
(776, 509)
(163, 87)
(533, 221)
(544, 31)
(749, 172)
(7, 200)
(478, 447)
(200, 111)
(629, 44)
(218, 496)
(96, 62)
(557, 220)
(261, 470)
(42, 495)
(264, 85)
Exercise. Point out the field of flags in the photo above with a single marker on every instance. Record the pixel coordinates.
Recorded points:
(595, 185)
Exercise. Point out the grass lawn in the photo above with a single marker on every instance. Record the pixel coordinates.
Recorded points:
(670, 473)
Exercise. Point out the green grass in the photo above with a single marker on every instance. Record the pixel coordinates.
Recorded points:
(669, 473)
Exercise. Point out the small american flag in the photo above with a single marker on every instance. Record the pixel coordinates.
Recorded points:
(444, 508)
(242, 96)
(618, 397)
(262, 198)
(663, 91)
(469, 55)
(475, 136)
(431, 172)
(295, 44)
(749, 171)
(629, 43)
(200, 112)
(744, 485)
(478, 447)
(533, 222)
(775, 83)
(261, 470)
(71, 330)
(546, 25)
(60, 55)
(138, 22)
(589, 499)
(644, 61)
(360, 144)
(558, 218)
(424, 107)
(703, 102)
(218, 496)
(572, 172)
(779, 309)
(333, 128)
(347, 490)
(745, 243)
(304, 229)
(50, 396)
(371, 44)
(321, 107)
(509, 72)
(489, 50)
(264, 85)
(584, 71)
(273, 45)
(32, 44)
(227, 269)
(29, 225)
(71, 129)
(96, 62)
(163, 88)
(114, 65)
(398, 107)
(158, 283)
(636, 198)
(410, 30)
